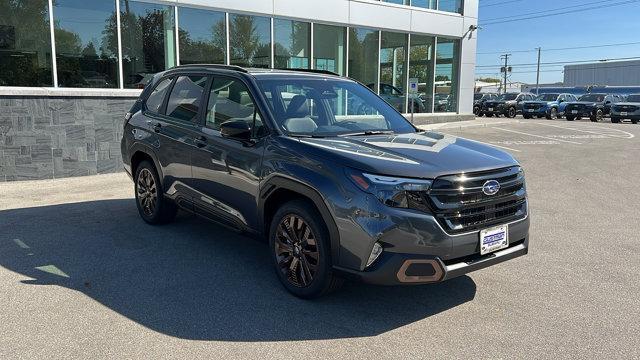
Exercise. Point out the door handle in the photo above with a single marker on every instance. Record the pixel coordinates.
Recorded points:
(200, 141)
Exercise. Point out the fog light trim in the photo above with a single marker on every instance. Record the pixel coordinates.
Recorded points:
(375, 254)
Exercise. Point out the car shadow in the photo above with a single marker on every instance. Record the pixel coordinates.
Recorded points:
(193, 279)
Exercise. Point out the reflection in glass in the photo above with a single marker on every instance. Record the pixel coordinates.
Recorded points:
(250, 40)
(421, 63)
(446, 84)
(203, 36)
(450, 6)
(25, 43)
(148, 41)
(426, 4)
(393, 70)
(329, 48)
(85, 56)
(291, 42)
(400, 2)
(363, 56)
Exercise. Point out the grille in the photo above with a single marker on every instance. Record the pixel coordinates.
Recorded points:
(460, 205)
(532, 106)
(627, 108)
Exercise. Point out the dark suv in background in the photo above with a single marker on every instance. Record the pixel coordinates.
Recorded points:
(479, 99)
(509, 104)
(592, 106)
(339, 195)
(550, 105)
(627, 109)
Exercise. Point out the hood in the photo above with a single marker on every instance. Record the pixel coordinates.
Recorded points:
(627, 104)
(418, 155)
(536, 102)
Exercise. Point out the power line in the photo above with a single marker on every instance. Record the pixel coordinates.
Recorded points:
(562, 70)
(551, 10)
(572, 11)
(561, 49)
(500, 3)
(566, 62)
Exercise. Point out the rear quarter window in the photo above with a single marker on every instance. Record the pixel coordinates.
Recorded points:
(156, 98)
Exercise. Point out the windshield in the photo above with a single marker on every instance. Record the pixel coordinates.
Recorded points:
(548, 97)
(634, 98)
(592, 97)
(508, 97)
(477, 96)
(329, 107)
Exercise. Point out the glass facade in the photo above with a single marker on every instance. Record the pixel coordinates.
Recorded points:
(329, 48)
(393, 70)
(292, 44)
(202, 36)
(446, 78)
(85, 53)
(25, 43)
(148, 41)
(421, 67)
(123, 43)
(363, 56)
(250, 40)
(455, 6)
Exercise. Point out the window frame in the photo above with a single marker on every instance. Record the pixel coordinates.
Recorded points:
(168, 96)
(256, 106)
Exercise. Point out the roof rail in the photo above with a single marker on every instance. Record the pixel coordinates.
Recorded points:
(217, 66)
(316, 71)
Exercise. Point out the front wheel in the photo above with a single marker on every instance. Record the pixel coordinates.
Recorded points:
(153, 207)
(512, 112)
(553, 114)
(489, 115)
(597, 116)
(570, 118)
(477, 111)
(526, 116)
(299, 241)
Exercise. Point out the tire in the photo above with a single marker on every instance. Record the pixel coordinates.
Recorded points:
(477, 111)
(634, 121)
(615, 120)
(489, 115)
(598, 116)
(553, 114)
(153, 207)
(296, 251)
(570, 118)
(511, 113)
(526, 116)
(540, 116)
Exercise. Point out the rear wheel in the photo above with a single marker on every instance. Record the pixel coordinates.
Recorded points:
(615, 119)
(477, 111)
(512, 112)
(634, 121)
(526, 116)
(299, 241)
(152, 205)
(553, 114)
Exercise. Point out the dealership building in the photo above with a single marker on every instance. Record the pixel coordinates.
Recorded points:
(70, 69)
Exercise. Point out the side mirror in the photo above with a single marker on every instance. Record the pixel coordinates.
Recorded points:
(236, 129)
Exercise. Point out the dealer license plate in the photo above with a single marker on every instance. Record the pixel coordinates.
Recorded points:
(623, 113)
(490, 109)
(494, 239)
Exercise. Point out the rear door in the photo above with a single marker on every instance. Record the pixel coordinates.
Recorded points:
(227, 172)
(176, 125)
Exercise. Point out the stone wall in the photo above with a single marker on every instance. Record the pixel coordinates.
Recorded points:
(55, 137)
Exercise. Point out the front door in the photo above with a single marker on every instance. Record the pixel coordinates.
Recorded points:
(226, 172)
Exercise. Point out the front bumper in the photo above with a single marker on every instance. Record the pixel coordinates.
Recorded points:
(408, 269)
(535, 112)
(579, 112)
(627, 115)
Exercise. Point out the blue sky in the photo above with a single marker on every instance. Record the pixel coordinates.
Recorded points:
(609, 25)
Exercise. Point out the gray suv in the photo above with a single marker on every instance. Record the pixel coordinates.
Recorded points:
(338, 193)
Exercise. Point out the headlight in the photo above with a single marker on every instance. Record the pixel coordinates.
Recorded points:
(393, 191)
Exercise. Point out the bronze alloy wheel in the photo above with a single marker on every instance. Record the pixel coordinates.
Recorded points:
(147, 192)
(296, 250)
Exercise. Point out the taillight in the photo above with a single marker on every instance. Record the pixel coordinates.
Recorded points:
(127, 117)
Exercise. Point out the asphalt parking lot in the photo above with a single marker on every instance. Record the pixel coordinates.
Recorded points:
(81, 276)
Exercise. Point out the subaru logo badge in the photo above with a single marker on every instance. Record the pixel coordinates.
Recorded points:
(491, 187)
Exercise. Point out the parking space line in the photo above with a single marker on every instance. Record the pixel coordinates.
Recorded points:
(628, 135)
(538, 136)
(482, 142)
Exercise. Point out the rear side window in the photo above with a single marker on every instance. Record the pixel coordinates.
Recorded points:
(186, 97)
(154, 102)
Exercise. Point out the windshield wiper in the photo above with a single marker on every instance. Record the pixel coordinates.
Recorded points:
(307, 136)
(371, 132)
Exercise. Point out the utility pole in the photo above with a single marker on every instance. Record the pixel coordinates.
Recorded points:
(506, 68)
(538, 73)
